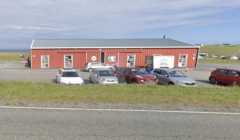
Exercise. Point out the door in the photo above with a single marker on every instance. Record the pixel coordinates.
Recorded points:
(103, 57)
(127, 75)
(182, 62)
(232, 77)
(45, 61)
(164, 77)
(68, 61)
(131, 60)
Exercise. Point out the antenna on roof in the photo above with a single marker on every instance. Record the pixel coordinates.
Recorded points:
(164, 37)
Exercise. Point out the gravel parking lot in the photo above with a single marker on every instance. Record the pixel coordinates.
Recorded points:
(20, 71)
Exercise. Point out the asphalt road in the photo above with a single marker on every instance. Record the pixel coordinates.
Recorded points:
(23, 124)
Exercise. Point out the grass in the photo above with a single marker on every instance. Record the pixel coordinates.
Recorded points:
(12, 56)
(122, 93)
(220, 50)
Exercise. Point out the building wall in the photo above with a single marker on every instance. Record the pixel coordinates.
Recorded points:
(81, 56)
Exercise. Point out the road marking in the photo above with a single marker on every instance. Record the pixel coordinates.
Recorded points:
(120, 110)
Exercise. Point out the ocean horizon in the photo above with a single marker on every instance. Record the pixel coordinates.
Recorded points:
(15, 50)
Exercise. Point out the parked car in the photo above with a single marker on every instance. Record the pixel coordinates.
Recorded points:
(173, 77)
(93, 65)
(103, 76)
(225, 76)
(134, 75)
(68, 76)
(234, 58)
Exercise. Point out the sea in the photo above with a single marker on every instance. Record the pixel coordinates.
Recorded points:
(15, 50)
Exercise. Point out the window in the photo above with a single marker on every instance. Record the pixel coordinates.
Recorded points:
(164, 73)
(139, 71)
(121, 70)
(68, 62)
(157, 71)
(221, 71)
(232, 73)
(45, 61)
(127, 71)
(70, 74)
(130, 60)
(106, 73)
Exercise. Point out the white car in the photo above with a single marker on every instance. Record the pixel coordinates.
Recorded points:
(103, 76)
(234, 58)
(94, 65)
(69, 76)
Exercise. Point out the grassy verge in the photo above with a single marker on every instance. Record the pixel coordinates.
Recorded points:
(12, 56)
(122, 93)
(215, 60)
(219, 50)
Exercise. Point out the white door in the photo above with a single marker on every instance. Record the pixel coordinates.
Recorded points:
(68, 61)
(182, 62)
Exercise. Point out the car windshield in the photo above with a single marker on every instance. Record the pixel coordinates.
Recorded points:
(176, 74)
(139, 71)
(70, 74)
(106, 73)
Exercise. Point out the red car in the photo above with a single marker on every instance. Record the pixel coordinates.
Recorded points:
(225, 76)
(134, 75)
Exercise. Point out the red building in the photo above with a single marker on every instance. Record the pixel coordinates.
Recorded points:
(75, 53)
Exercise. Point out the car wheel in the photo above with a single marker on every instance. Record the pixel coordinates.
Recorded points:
(134, 81)
(170, 83)
(124, 81)
(90, 69)
(90, 81)
(212, 80)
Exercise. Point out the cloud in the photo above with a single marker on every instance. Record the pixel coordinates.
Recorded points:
(108, 18)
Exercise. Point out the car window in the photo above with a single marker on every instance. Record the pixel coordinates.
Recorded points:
(232, 73)
(221, 71)
(101, 64)
(127, 71)
(164, 73)
(106, 73)
(139, 71)
(122, 70)
(176, 74)
(93, 64)
(157, 71)
(70, 74)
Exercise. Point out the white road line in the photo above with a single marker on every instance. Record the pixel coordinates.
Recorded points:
(120, 110)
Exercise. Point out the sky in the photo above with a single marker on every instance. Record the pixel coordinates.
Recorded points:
(191, 21)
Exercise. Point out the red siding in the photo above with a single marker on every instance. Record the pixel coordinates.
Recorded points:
(56, 57)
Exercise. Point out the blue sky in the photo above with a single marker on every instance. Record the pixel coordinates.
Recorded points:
(191, 21)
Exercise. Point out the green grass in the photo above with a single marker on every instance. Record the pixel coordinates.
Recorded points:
(12, 56)
(219, 50)
(215, 60)
(122, 93)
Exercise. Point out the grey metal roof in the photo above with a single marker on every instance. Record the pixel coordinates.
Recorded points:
(109, 43)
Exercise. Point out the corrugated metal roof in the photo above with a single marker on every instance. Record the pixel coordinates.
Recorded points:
(109, 43)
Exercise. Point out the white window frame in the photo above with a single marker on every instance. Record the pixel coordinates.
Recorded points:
(134, 60)
(180, 58)
(48, 62)
(64, 61)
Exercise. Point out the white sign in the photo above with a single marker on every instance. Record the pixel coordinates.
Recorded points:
(94, 58)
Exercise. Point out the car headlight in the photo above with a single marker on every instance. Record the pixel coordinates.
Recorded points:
(142, 81)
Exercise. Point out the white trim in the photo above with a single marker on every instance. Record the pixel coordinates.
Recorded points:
(86, 57)
(137, 47)
(48, 62)
(32, 44)
(65, 58)
(31, 59)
